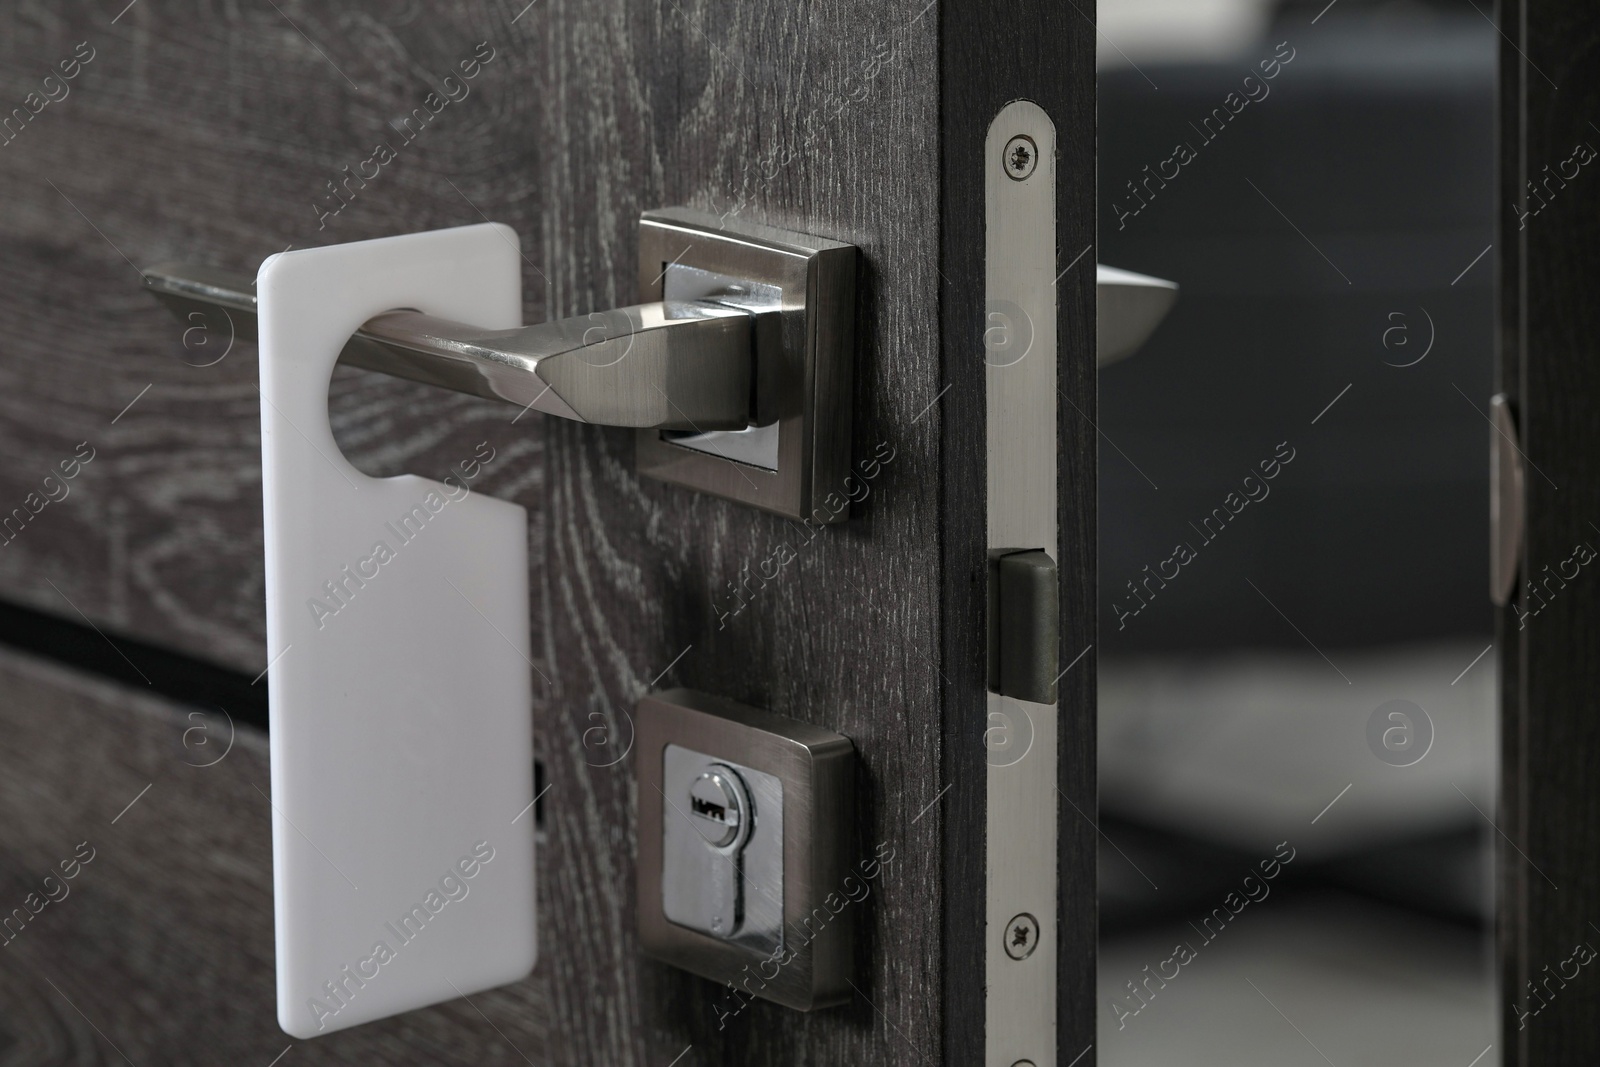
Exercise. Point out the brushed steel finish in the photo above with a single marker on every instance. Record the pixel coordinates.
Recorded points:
(811, 967)
(802, 396)
(736, 370)
(1021, 353)
(674, 364)
(756, 444)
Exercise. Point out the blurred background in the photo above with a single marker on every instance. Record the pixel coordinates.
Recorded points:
(1296, 677)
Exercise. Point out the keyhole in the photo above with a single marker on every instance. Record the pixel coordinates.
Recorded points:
(720, 807)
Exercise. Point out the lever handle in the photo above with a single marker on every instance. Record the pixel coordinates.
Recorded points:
(1130, 308)
(671, 365)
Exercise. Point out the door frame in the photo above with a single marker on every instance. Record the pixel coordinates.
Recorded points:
(1548, 259)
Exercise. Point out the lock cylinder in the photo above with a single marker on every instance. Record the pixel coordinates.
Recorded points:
(747, 847)
(719, 803)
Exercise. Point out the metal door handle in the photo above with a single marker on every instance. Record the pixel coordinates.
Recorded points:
(737, 377)
(670, 365)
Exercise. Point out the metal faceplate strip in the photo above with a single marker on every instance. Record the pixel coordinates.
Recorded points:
(1020, 350)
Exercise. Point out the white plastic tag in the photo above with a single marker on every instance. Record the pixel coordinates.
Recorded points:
(397, 623)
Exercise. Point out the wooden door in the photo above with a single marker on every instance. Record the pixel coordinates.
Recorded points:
(224, 132)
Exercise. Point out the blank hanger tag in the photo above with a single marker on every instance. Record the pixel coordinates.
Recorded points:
(397, 623)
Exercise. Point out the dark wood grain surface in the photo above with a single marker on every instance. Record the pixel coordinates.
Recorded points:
(209, 130)
(847, 636)
(1550, 267)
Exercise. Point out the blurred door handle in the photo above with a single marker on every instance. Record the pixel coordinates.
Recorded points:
(1131, 306)
(1505, 501)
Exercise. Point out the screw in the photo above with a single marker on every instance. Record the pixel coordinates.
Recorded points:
(1020, 157)
(1023, 1063)
(1022, 936)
